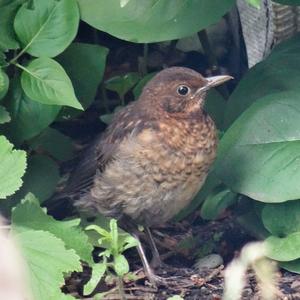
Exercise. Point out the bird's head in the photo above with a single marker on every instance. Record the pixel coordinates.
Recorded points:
(180, 91)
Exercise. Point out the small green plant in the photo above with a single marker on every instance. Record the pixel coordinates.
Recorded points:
(122, 84)
(112, 258)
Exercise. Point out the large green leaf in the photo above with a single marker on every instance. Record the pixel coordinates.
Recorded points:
(47, 27)
(47, 260)
(23, 110)
(41, 178)
(279, 72)
(54, 143)
(29, 215)
(215, 105)
(85, 64)
(8, 9)
(292, 266)
(12, 168)
(259, 153)
(283, 218)
(284, 249)
(44, 80)
(147, 21)
(216, 202)
(253, 224)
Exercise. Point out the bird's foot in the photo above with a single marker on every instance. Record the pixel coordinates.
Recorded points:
(157, 281)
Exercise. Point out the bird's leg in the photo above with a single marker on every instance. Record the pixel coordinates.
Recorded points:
(153, 278)
(156, 260)
(149, 272)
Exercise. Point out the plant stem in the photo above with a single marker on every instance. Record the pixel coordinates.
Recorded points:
(20, 66)
(121, 288)
(13, 60)
(143, 61)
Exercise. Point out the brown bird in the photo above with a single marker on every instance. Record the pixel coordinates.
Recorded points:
(154, 157)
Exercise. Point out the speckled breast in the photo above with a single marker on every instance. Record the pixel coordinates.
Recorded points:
(176, 161)
(156, 172)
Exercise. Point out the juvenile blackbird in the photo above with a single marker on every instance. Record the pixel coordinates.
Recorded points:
(155, 155)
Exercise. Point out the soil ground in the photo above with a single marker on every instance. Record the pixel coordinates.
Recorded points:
(181, 244)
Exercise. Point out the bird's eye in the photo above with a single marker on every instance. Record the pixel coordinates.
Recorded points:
(183, 90)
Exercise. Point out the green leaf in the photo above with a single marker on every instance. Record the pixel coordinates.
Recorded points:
(54, 143)
(278, 73)
(85, 64)
(44, 80)
(146, 21)
(104, 241)
(122, 84)
(114, 235)
(12, 168)
(259, 154)
(128, 242)
(41, 178)
(216, 202)
(121, 265)
(283, 249)
(98, 226)
(252, 223)
(4, 115)
(215, 105)
(23, 110)
(292, 266)
(4, 84)
(283, 218)
(98, 271)
(107, 118)
(100, 230)
(29, 215)
(47, 261)
(48, 27)
(8, 10)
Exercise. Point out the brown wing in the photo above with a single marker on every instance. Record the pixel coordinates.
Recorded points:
(129, 120)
